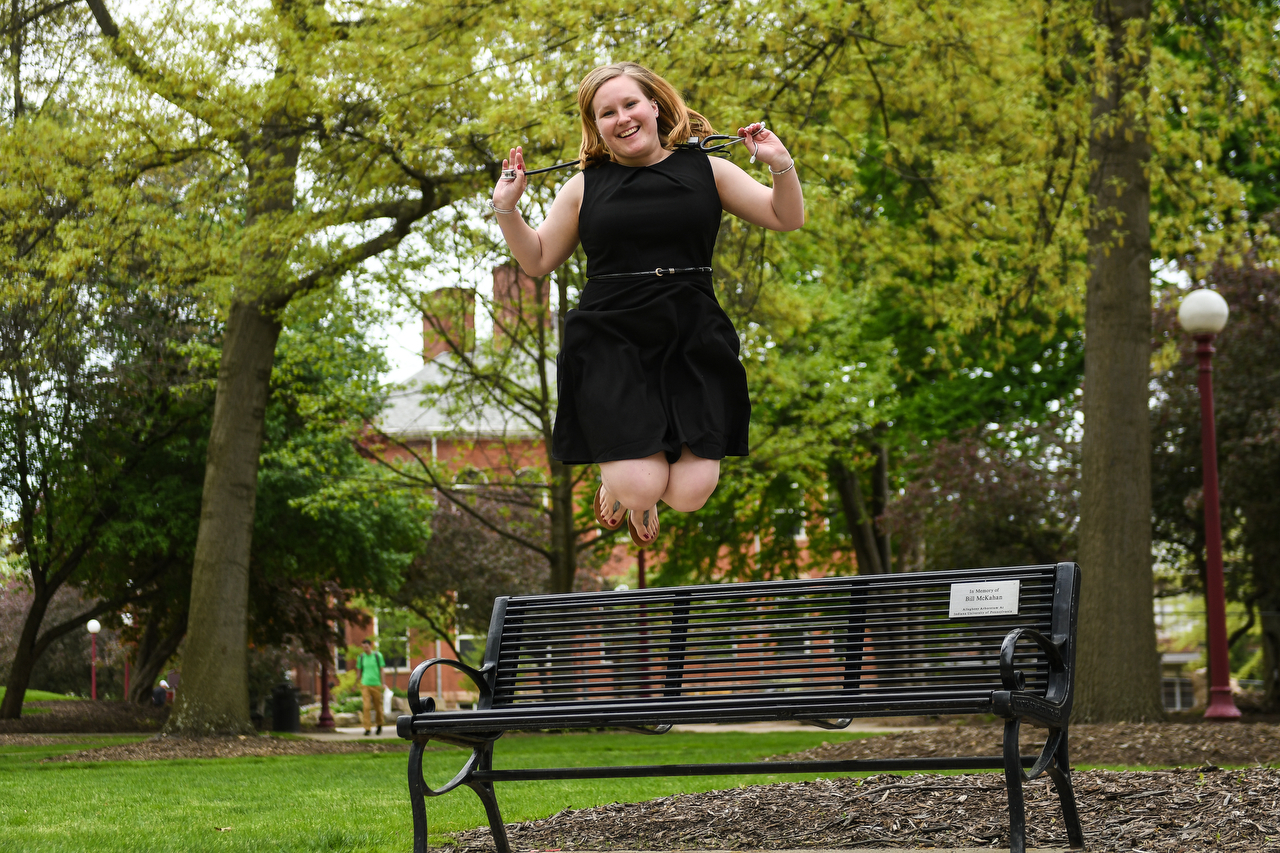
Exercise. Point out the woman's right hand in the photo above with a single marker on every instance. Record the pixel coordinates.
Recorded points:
(508, 191)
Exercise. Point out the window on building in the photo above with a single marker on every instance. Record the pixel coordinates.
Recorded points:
(1178, 694)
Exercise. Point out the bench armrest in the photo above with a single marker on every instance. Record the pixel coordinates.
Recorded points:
(1013, 679)
(479, 676)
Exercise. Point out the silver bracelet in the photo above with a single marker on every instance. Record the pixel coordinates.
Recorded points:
(497, 209)
(784, 171)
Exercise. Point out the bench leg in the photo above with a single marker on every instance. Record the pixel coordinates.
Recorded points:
(1060, 772)
(1013, 783)
(498, 829)
(484, 790)
(418, 797)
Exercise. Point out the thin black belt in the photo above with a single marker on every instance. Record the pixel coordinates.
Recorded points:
(660, 271)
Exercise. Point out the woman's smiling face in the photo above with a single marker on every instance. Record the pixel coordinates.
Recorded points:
(628, 121)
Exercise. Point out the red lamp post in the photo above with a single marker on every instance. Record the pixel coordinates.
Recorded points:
(94, 627)
(1203, 313)
(326, 716)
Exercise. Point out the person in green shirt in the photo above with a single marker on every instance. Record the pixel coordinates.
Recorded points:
(370, 665)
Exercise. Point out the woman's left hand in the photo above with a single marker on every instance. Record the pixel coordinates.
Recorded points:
(765, 146)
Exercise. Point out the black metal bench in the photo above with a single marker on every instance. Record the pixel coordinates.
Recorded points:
(821, 651)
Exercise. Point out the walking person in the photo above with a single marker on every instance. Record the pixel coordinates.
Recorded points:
(369, 664)
(650, 386)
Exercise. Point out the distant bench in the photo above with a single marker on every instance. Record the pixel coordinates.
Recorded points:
(972, 641)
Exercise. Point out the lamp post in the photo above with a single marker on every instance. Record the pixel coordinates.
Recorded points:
(94, 627)
(325, 720)
(1203, 313)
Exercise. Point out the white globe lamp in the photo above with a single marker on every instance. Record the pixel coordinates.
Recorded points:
(1203, 312)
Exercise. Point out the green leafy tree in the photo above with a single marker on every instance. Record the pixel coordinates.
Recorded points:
(324, 133)
(329, 526)
(89, 415)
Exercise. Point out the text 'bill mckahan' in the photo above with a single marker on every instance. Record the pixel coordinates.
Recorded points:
(984, 598)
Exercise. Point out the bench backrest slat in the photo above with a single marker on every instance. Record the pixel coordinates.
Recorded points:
(868, 636)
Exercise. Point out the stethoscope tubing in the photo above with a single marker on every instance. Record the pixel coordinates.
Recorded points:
(694, 141)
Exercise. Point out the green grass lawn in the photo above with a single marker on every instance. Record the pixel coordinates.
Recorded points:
(39, 696)
(330, 802)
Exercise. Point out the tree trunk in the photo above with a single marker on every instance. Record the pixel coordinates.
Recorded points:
(17, 39)
(213, 696)
(857, 520)
(152, 654)
(1270, 653)
(563, 543)
(24, 656)
(879, 503)
(1118, 675)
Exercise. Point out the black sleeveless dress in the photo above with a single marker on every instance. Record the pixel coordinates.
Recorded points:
(649, 363)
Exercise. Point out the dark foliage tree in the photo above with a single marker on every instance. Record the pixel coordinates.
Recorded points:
(991, 498)
(89, 413)
(465, 565)
(1247, 402)
(64, 665)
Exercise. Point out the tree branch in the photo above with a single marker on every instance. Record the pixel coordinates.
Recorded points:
(155, 79)
(358, 254)
(434, 481)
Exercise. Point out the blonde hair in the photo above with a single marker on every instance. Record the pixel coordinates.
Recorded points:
(676, 122)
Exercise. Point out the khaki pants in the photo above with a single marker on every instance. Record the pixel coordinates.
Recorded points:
(370, 697)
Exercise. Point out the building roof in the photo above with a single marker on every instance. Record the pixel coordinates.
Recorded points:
(416, 409)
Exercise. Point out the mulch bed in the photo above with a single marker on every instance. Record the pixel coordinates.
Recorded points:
(82, 716)
(1198, 807)
(163, 747)
(1131, 744)
(34, 740)
(1173, 810)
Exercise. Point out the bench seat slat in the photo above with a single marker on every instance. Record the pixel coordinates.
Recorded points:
(645, 645)
(812, 656)
(922, 625)
(732, 628)
(691, 673)
(705, 709)
(655, 682)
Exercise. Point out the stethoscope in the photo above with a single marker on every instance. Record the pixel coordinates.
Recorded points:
(710, 144)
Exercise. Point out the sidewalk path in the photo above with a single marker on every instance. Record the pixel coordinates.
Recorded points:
(389, 730)
(353, 733)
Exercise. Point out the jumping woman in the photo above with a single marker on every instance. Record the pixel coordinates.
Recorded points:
(649, 380)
